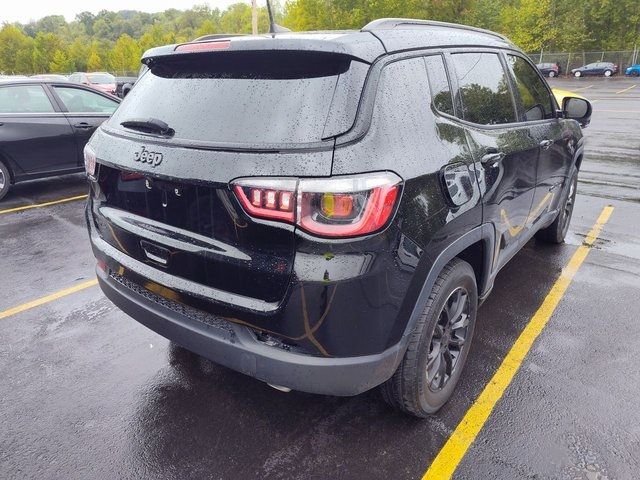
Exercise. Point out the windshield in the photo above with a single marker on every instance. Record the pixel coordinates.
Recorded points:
(266, 98)
(101, 78)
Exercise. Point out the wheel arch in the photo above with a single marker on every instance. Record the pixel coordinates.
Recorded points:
(476, 247)
(5, 161)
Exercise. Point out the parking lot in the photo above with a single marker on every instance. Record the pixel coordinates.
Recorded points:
(89, 393)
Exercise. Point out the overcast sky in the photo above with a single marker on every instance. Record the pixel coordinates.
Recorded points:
(25, 10)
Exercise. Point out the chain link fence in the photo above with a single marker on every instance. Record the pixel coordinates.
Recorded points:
(570, 60)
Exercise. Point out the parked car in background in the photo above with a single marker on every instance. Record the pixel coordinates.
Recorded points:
(633, 71)
(102, 81)
(124, 85)
(597, 68)
(350, 246)
(44, 126)
(549, 69)
(54, 77)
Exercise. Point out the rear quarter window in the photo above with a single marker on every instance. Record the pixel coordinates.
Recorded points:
(439, 84)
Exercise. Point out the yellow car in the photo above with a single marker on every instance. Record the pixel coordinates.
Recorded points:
(560, 94)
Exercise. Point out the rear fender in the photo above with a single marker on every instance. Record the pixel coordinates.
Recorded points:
(484, 233)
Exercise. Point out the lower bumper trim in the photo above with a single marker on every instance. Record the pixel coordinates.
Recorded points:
(236, 347)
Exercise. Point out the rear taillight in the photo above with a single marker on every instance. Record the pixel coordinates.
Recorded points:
(267, 198)
(329, 207)
(90, 162)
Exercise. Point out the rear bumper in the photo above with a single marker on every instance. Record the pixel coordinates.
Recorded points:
(237, 347)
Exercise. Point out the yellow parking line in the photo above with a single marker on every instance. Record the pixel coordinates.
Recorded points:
(627, 89)
(448, 459)
(45, 204)
(49, 298)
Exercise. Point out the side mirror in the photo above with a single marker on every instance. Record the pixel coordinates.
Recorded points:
(577, 109)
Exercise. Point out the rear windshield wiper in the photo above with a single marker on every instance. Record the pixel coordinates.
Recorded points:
(149, 125)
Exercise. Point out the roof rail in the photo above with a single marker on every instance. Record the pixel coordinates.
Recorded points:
(390, 23)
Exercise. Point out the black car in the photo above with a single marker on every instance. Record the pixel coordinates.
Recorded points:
(597, 68)
(44, 126)
(549, 69)
(325, 211)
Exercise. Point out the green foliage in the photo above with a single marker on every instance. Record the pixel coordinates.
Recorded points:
(115, 40)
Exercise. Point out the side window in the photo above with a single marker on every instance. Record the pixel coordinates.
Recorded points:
(534, 95)
(484, 89)
(24, 99)
(79, 100)
(439, 83)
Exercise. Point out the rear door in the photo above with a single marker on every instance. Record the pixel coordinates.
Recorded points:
(505, 152)
(34, 135)
(85, 110)
(537, 110)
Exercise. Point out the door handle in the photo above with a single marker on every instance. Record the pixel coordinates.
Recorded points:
(492, 158)
(545, 144)
(83, 125)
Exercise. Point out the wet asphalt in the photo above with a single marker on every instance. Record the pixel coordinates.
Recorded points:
(86, 392)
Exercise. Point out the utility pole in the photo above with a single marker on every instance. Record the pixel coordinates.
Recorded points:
(254, 17)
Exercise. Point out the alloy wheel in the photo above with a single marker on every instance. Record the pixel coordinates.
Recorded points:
(568, 206)
(2, 180)
(449, 339)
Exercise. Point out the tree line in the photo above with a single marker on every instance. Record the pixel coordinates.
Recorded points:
(115, 41)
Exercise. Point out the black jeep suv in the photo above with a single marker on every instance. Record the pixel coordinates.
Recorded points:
(325, 211)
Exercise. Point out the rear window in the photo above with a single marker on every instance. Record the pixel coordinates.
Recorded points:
(251, 98)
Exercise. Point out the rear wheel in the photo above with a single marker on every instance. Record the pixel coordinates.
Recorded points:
(552, 74)
(577, 74)
(439, 344)
(5, 180)
(557, 231)
(608, 73)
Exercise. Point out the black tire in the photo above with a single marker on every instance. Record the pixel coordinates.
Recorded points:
(552, 74)
(5, 180)
(635, 73)
(409, 389)
(609, 72)
(577, 74)
(557, 231)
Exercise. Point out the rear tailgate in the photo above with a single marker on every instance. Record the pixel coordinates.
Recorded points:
(166, 201)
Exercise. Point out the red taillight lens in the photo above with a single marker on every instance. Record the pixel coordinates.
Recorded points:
(271, 199)
(203, 46)
(329, 207)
